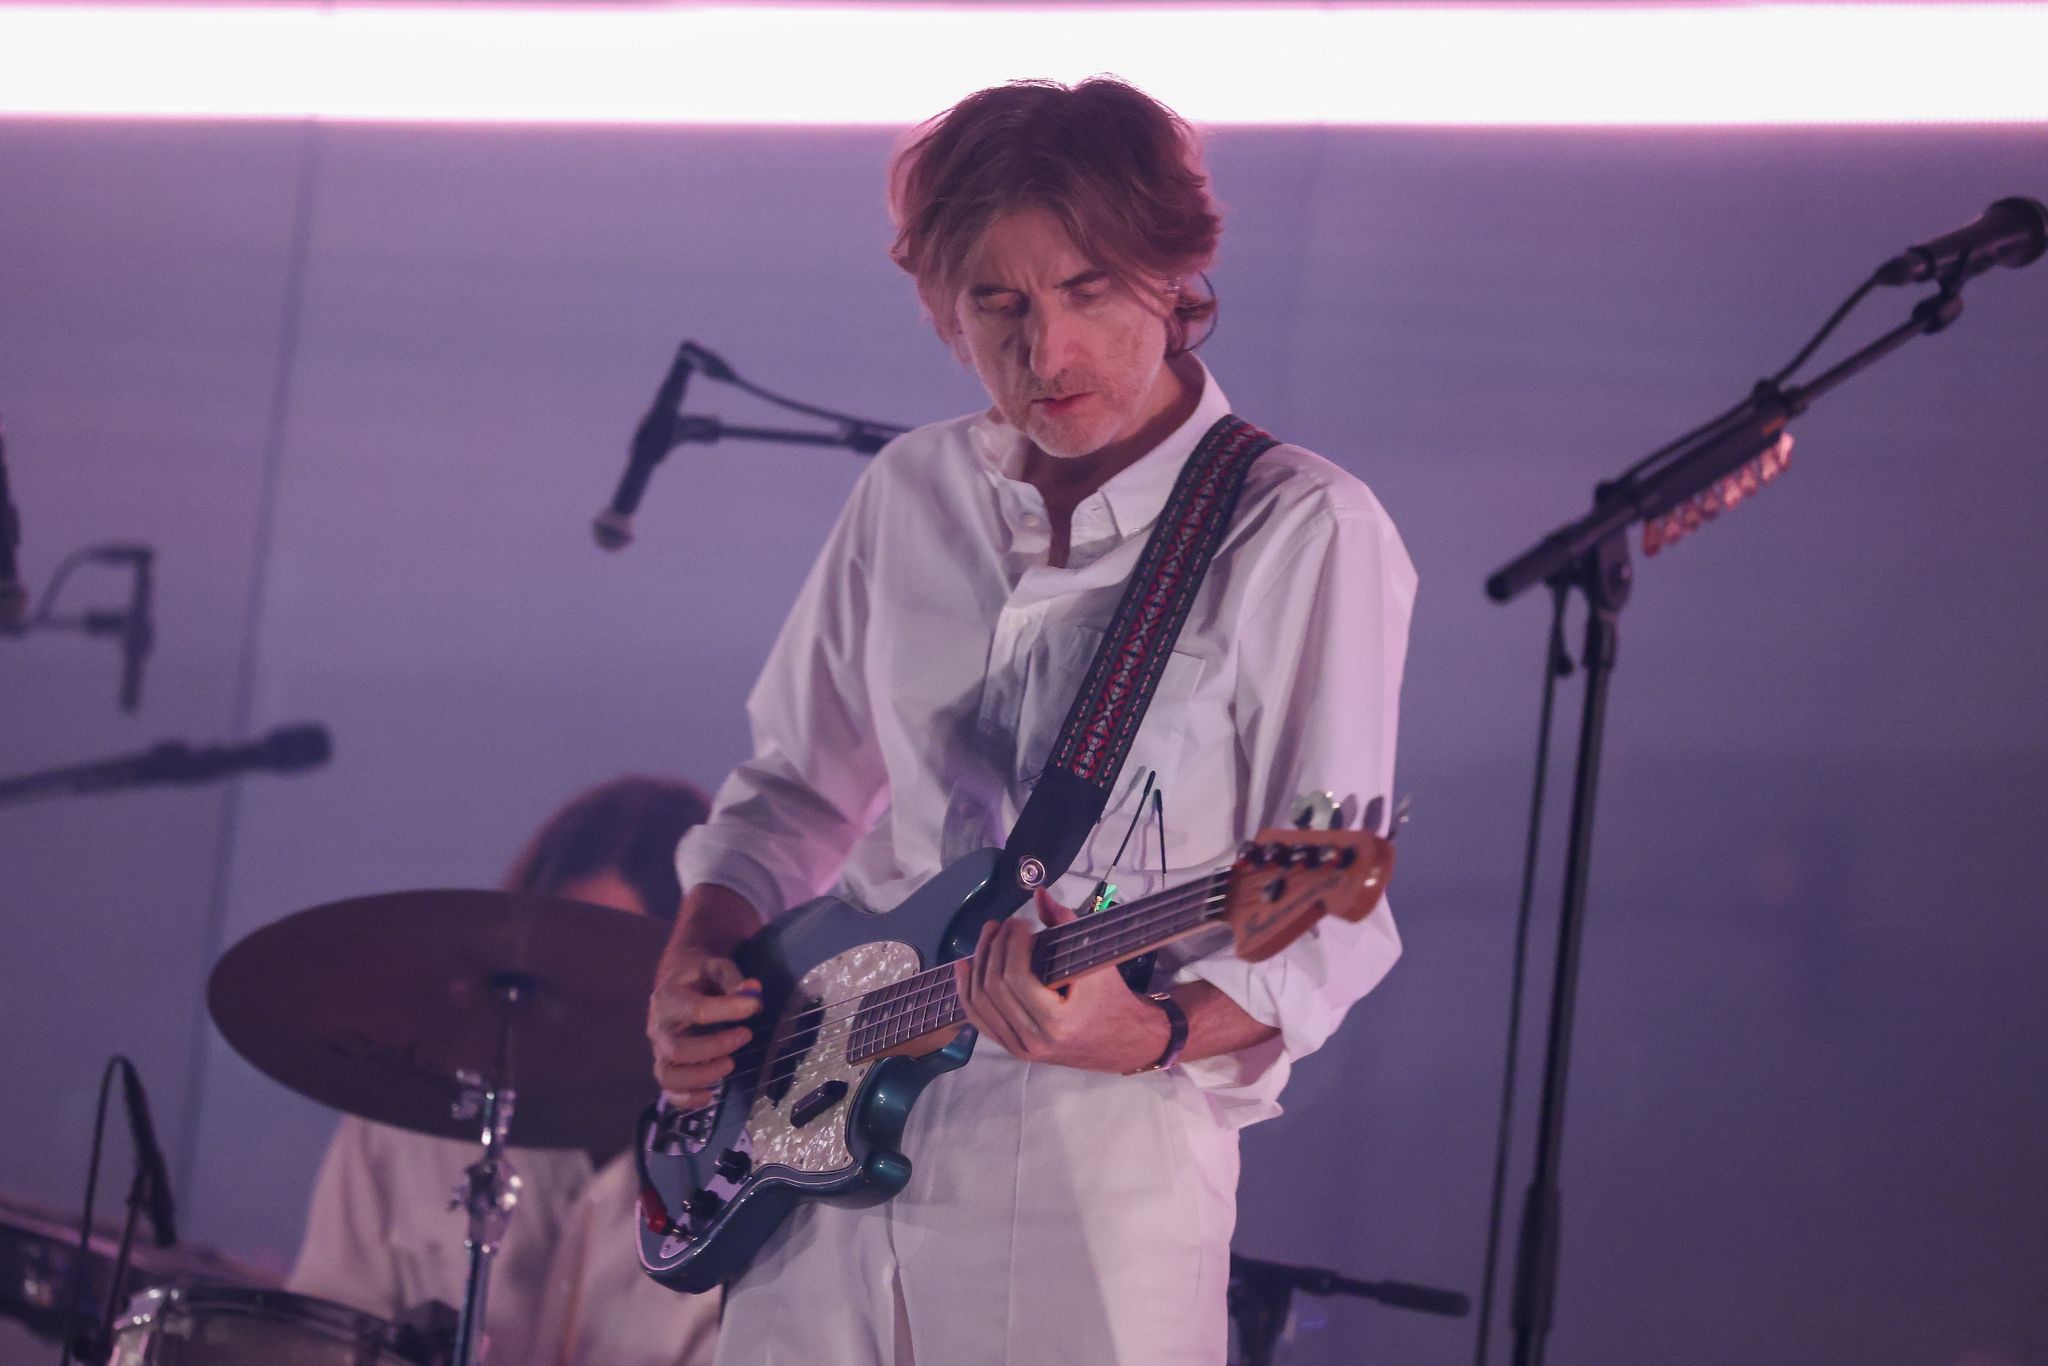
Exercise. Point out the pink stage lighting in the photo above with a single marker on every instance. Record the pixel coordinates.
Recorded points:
(825, 64)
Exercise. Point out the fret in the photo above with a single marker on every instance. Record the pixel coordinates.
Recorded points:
(926, 1002)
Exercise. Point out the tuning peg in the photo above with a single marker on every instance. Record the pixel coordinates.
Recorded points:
(1315, 811)
(1400, 817)
(1375, 812)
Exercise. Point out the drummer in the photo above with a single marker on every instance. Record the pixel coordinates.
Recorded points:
(566, 1286)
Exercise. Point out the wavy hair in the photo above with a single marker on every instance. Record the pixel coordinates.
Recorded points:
(630, 826)
(1120, 171)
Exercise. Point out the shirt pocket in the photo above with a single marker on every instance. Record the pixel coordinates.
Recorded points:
(1055, 668)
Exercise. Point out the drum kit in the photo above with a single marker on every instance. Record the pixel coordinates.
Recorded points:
(441, 1012)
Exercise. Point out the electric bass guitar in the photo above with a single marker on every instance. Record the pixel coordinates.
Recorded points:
(859, 1015)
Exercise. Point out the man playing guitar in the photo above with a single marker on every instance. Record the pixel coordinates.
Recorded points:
(1075, 1182)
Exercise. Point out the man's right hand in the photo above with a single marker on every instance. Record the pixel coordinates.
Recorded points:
(695, 1018)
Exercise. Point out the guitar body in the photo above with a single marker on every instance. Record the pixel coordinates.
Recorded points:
(805, 1120)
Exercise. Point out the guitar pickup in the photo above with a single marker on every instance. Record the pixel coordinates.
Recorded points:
(792, 1048)
(816, 1103)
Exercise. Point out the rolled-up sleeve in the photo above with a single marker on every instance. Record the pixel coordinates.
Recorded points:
(784, 821)
(1320, 658)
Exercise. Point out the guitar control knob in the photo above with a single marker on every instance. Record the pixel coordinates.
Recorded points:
(703, 1204)
(733, 1164)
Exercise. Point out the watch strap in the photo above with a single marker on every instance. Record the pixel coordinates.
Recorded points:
(1176, 1032)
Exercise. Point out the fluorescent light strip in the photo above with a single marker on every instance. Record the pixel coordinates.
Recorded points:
(789, 64)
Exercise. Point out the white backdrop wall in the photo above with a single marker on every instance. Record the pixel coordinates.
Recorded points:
(363, 388)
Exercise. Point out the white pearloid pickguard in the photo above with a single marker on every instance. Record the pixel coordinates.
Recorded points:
(821, 1145)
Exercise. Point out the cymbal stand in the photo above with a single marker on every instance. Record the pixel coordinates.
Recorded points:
(490, 1187)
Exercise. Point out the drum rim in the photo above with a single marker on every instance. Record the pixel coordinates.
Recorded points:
(257, 1302)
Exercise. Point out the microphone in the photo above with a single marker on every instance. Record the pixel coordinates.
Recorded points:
(288, 749)
(13, 600)
(2012, 232)
(151, 1173)
(653, 439)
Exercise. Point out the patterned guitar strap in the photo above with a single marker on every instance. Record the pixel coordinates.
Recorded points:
(1082, 769)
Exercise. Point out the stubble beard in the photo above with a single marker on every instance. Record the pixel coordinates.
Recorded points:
(1064, 441)
(1083, 434)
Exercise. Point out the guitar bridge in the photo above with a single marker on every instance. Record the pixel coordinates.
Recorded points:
(687, 1131)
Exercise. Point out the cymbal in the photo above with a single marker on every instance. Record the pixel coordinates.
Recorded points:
(373, 1005)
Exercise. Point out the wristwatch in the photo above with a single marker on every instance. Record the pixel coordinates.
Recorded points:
(1176, 1032)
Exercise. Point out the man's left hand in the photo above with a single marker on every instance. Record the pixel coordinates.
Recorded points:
(1094, 1022)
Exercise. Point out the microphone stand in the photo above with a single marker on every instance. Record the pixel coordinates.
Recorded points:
(1672, 492)
(13, 601)
(1261, 1294)
(133, 626)
(665, 427)
(860, 437)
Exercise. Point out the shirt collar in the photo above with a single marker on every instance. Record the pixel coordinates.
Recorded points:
(1134, 495)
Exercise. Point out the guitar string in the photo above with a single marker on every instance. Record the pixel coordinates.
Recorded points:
(1133, 927)
(897, 999)
(1082, 953)
(1132, 931)
(926, 1015)
(939, 1013)
(928, 995)
(937, 990)
(1175, 898)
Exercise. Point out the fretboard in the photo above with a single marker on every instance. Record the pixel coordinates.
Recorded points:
(891, 1016)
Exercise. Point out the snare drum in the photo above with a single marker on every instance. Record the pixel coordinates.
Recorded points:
(220, 1325)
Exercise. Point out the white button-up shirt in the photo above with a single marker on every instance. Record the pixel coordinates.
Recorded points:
(566, 1285)
(923, 674)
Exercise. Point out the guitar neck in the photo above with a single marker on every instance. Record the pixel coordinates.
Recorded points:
(1064, 952)
(892, 1016)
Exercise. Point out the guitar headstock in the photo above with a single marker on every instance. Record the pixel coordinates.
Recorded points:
(1286, 880)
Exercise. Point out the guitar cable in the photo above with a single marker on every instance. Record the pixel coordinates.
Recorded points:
(76, 1286)
(1139, 974)
(1136, 972)
(1103, 895)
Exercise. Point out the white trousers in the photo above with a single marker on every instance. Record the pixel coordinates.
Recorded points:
(1052, 1216)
